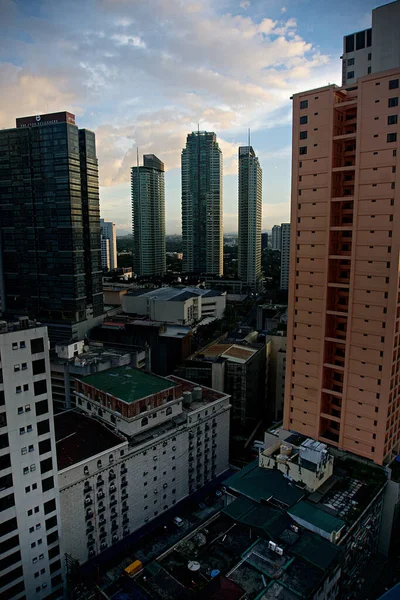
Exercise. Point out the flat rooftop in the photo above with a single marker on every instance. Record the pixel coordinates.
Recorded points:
(235, 544)
(79, 437)
(97, 353)
(128, 384)
(175, 294)
(233, 352)
(262, 484)
(208, 395)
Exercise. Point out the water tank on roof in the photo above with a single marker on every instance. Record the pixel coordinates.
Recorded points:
(193, 566)
(285, 449)
(282, 459)
(187, 398)
(197, 393)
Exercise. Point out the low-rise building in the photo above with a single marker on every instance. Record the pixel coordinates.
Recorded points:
(322, 491)
(169, 344)
(76, 359)
(137, 445)
(183, 306)
(240, 371)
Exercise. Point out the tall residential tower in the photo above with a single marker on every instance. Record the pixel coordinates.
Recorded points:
(202, 227)
(31, 564)
(108, 251)
(343, 349)
(148, 217)
(250, 216)
(50, 223)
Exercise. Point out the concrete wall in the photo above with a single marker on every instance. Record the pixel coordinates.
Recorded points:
(29, 471)
(158, 474)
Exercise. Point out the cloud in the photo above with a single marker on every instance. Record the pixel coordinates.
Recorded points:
(146, 73)
(283, 9)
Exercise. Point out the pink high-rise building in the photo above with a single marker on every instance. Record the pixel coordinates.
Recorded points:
(343, 353)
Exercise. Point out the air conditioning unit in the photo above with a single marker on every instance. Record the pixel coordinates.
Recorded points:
(279, 550)
(272, 546)
(294, 528)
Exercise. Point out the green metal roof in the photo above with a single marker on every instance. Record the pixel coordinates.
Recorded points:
(316, 550)
(316, 517)
(260, 484)
(128, 384)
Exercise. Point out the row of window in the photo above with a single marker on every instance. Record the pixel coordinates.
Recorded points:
(37, 345)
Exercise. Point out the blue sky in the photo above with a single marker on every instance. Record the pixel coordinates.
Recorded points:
(145, 72)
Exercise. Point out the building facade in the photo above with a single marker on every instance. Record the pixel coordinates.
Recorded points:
(183, 306)
(238, 370)
(50, 222)
(285, 256)
(202, 217)
(375, 49)
(170, 438)
(108, 232)
(105, 253)
(31, 564)
(276, 237)
(148, 216)
(250, 217)
(344, 279)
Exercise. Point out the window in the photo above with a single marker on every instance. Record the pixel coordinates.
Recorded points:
(44, 446)
(393, 84)
(304, 104)
(350, 75)
(304, 120)
(392, 102)
(20, 410)
(47, 484)
(46, 465)
(37, 345)
(43, 427)
(303, 135)
(17, 368)
(360, 40)
(18, 389)
(392, 137)
(303, 149)
(350, 62)
(38, 366)
(369, 70)
(15, 345)
(349, 43)
(52, 537)
(51, 522)
(40, 387)
(145, 421)
(392, 120)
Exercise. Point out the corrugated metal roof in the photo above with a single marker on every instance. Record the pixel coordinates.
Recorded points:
(316, 517)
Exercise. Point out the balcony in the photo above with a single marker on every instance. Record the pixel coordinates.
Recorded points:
(124, 470)
(125, 509)
(114, 527)
(124, 484)
(89, 515)
(102, 522)
(112, 489)
(88, 501)
(87, 489)
(124, 496)
(99, 482)
(89, 529)
(113, 503)
(101, 509)
(126, 531)
(100, 495)
(111, 476)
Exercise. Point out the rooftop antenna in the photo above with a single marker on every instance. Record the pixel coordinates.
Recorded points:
(249, 138)
(198, 128)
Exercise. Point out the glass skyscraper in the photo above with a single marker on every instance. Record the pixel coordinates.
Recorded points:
(50, 223)
(202, 227)
(148, 217)
(250, 215)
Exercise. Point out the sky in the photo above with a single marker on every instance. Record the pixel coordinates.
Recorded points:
(145, 73)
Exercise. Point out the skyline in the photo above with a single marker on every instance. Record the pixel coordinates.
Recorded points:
(147, 84)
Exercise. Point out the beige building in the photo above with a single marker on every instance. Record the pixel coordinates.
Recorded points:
(342, 386)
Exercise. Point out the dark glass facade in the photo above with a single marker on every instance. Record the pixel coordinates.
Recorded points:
(50, 222)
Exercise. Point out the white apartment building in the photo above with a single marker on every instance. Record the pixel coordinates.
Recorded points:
(285, 255)
(31, 561)
(105, 253)
(108, 233)
(276, 237)
(183, 306)
(375, 49)
(169, 438)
